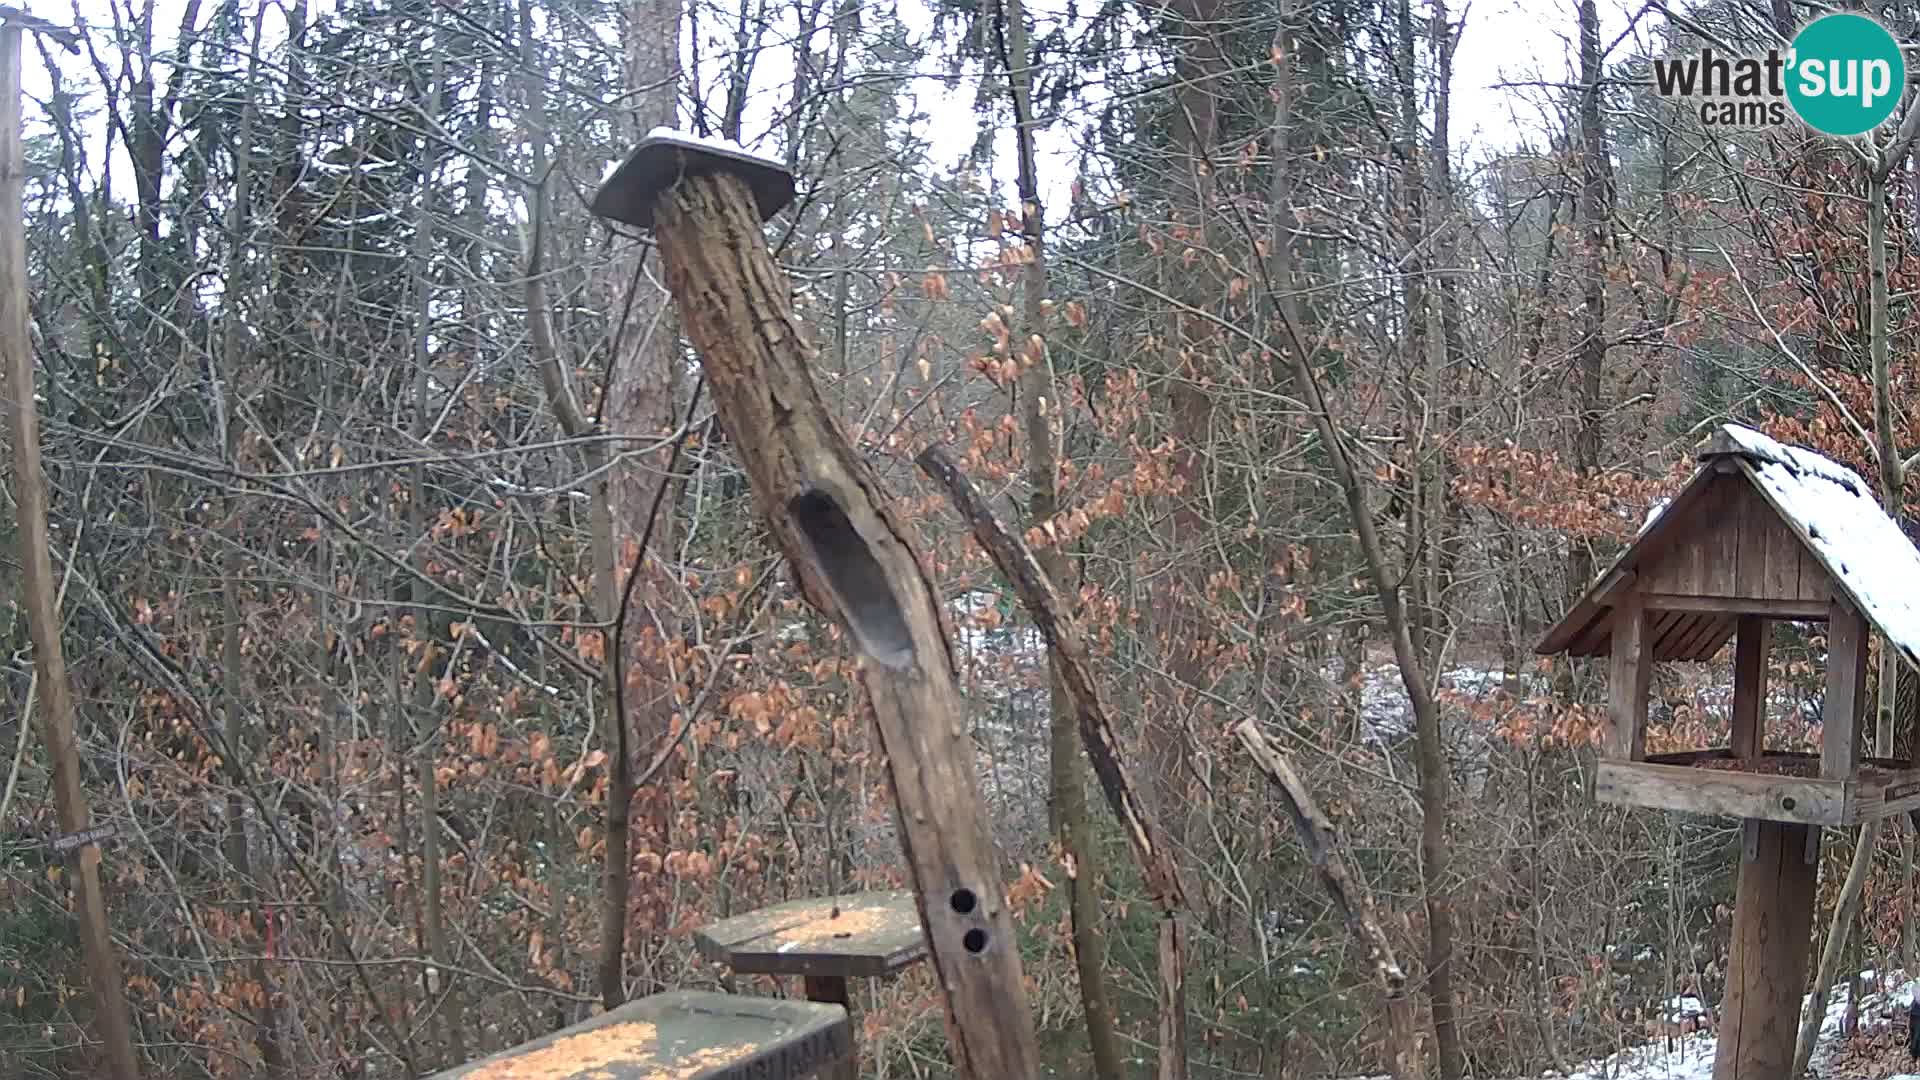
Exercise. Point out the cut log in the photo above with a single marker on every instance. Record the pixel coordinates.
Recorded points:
(854, 559)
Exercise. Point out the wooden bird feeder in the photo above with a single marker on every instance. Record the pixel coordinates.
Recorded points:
(825, 942)
(853, 555)
(1762, 532)
(682, 1035)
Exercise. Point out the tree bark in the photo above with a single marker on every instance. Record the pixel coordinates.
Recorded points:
(1037, 397)
(1434, 781)
(641, 388)
(616, 885)
(233, 358)
(1845, 910)
(1349, 894)
(851, 554)
(114, 1028)
(1592, 346)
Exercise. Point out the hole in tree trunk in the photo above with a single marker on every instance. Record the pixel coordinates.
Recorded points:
(858, 582)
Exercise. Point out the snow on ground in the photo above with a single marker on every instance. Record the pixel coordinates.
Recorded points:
(1690, 1057)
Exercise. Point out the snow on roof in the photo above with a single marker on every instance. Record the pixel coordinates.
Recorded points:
(718, 145)
(1835, 510)
(1653, 514)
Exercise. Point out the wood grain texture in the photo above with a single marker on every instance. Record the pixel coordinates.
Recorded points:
(1846, 678)
(737, 309)
(1722, 793)
(874, 934)
(1629, 671)
(1750, 687)
(1767, 971)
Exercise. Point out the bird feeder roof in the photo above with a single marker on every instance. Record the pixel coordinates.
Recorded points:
(665, 155)
(1836, 530)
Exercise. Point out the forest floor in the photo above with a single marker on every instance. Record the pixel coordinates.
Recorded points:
(1876, 1051)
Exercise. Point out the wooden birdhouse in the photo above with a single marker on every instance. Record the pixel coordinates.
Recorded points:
(1762, 532)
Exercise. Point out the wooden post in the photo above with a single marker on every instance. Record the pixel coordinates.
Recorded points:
(851, 555)
(1629, 673)
(1750, 687)
(832, 990)
(879, 935)
(1767, 969)
(38, 589)
(1846, 670)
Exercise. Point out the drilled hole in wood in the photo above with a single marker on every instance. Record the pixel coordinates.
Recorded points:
(855, 576)
(975, 940)
(962, 901)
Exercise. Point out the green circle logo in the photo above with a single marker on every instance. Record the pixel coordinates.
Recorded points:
(1847, 74)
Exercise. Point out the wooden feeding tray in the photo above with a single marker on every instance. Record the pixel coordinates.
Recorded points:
(873, 933)
(1770, 787)
(827, 941)
(682, 1035)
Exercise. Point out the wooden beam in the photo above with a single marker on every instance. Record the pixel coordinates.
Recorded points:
(1767, 970)
(1788, 608)
(1750, 687)
(1611, 586)
(1629, 674)
(832, 518)
(1846, 677)
(1689, 789)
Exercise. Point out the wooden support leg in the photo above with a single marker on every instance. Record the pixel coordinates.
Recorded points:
(832, 990)
(1750, 687)
(1772, 935)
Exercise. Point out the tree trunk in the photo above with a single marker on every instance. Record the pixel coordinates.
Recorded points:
(114, 1028)
(641, 386)
(1592, 345)
(1038, 397)
(234, 360)
(1845, 910)
(851, 554)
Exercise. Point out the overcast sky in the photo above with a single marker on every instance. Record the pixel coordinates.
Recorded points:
(1504, 41)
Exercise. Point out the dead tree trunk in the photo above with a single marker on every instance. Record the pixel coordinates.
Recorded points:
(1073, 674)
(36, 559)
(831, 518)
(1348, 893)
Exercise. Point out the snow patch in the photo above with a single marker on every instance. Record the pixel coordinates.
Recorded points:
(1653, 513)
(1691, 1056)
(718, 145)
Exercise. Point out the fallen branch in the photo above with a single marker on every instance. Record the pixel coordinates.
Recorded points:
(1349, 894)
(1068, 650)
